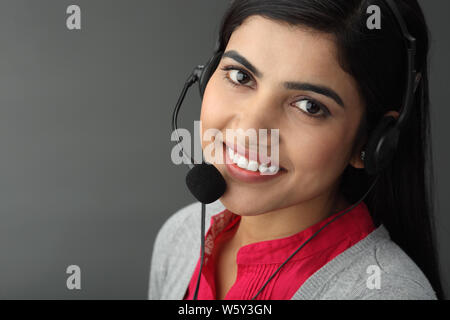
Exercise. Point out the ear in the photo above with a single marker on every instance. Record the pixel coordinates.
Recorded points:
(356, 160)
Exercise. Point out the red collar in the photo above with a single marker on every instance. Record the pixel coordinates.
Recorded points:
(354, 223)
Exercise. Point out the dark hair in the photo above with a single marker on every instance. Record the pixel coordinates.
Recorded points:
(402, 199)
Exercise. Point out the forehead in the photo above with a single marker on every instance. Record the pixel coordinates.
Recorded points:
(275, 42)
(291, 53)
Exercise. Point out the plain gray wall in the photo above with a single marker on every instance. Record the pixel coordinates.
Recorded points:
(86, 175)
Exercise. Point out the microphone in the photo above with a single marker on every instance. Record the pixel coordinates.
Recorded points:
(206, 183)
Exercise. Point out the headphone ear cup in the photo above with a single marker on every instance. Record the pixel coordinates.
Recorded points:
(381, 146)
(208, 71)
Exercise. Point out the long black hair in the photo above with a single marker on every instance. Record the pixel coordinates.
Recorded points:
(402, 199)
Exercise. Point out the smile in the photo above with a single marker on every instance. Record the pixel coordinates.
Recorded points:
(245, 170)
(250, 165)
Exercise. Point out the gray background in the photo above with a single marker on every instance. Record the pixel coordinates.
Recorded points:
(86, 175)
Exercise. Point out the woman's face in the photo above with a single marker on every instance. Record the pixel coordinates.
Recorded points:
(317, 123)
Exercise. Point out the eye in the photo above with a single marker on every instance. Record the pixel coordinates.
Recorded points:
(236, 76)
(312, 108)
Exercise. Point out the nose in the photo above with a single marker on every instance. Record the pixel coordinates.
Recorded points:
(262, 111)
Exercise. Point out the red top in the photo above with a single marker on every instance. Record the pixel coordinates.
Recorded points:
(257, 261)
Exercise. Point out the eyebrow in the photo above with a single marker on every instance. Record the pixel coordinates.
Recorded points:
(320, 89)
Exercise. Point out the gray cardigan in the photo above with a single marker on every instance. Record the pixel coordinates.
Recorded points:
(350, 275)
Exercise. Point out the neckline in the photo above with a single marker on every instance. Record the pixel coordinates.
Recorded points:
(276, 251)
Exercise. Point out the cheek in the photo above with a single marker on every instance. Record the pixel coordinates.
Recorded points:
(214, 112)
(324, 150)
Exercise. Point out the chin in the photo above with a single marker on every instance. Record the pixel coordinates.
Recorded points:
(245, 205)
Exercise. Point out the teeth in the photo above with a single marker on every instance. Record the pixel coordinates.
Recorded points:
(242, 162)
(273, 169)
(250, 165)
(236, 158)
(230, 153)
(263, 168)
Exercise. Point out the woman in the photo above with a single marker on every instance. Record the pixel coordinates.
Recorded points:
(317, 72)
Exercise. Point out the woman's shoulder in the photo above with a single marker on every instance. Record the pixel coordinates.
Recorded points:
(182, 228)
(400, 277)
(187, 219)
(376, 268)
(179, 220)
(176, 249)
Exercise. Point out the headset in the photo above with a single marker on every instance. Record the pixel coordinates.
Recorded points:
(207, 184)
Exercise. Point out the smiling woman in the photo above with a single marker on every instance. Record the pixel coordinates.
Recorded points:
(313, 70)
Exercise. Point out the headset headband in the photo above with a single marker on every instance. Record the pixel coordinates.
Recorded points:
(412, 78)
